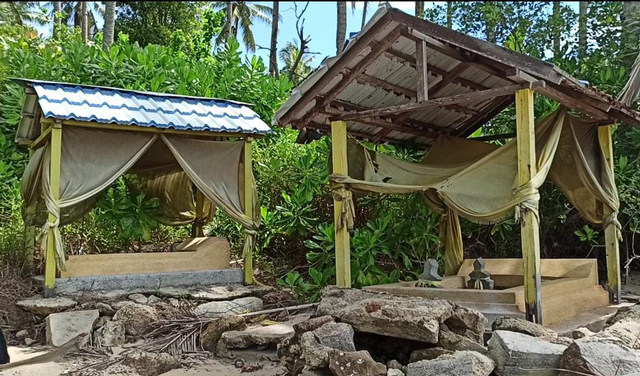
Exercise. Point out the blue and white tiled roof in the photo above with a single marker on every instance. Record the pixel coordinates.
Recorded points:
(145, 109)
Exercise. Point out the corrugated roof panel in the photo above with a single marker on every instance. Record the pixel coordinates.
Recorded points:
(145, 109)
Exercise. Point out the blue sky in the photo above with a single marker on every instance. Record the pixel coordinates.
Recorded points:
(320, 24)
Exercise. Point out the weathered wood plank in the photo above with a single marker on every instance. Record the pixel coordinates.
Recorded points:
(54, 171)
(248, 204)
(530, 232)
(422, 68)
(439, 102)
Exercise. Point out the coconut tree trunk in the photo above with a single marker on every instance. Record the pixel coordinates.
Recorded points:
(450, 14)
(229, 19)
(342, 26)
(420, 9)
(273, 53)
(364, 14)
(84, 21)
(556, 29)
(109, 23)
(582, 29)
(57, 17)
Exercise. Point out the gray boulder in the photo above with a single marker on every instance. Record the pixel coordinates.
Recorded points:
(64, 326)
(514, 324)
(337, 336)
(105, 309)
(137, 319)
(428, 354)
(631, 313)
(449, 340)
(518, 354)
(460, 363)
(236, 306)
(590, 356)
(354, 363)
(581, 333)
(468, 323)
(111, 334)
(214, 330)
(150, 364)
(394, 372)
(45, 306)
(395, 316)
(314, 355)
(138, 298)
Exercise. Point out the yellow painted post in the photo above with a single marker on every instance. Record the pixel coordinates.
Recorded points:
(50, 252)
(610, 233)
(29, 230)
(530, 232)
(343, 247)
(248, 205)
(197, 224)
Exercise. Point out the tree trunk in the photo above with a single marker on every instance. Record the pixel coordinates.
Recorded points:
(582, 29)
(273, 53)
(556, 29)
(84, 21)
(109, 24)
(342, 26)
(630, 37)
(420, 9)
(450, 14)
(489, 22)
(364, 14)
(229, 20)
(57, 17)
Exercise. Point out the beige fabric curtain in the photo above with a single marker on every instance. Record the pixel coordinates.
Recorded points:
(91, 161)
(479, 182)
(451, 242)
(214, 167)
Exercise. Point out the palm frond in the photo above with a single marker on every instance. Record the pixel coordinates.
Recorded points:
(262, 12)
(245, 25)
(631, 89)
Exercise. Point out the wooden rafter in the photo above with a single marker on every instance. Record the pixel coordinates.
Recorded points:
(449, 78)
(377, 82)
(422, 68)
(376, 50)
(440, 102)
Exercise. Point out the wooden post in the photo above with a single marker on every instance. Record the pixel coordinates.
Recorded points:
(50, 252)
(343, 250)
(530, 232)
(29, 230)
(610, 233)
(248, 205)
(423, 75)
(196, 230)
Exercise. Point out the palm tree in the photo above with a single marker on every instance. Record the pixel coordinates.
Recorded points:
(84, 21)
(364, 14)
(72, 11)
(109, 24)
(273, 51)
(21, 12)
(57, 17)
(296, 65)
(342, 26)
(240, 16)
(420, 9)
(582, 29)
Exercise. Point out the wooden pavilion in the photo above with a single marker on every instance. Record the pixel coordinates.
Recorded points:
(403, 80)
(195, 151)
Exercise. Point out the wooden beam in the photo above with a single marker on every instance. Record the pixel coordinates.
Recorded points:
(573, 103)
(385, 85)
(440, 102)
(44, 136)
(360, 45)
(54, 178)
(611, 232)
(248, 205)
(377, 50)
(449, 78)
(422, 68)
(468, 126)
(342, 241)
(530, 232)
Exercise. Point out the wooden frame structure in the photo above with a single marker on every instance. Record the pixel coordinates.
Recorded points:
(41, 130)
(403, 80)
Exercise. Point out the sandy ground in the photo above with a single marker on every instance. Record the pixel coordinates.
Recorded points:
(208, 367)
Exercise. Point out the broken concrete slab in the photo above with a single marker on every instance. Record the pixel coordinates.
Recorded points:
(514, 324)
(138, 298)
(468, 363)
(394, 372)
(396, 316)
(236, 306)
(256, 335)
(355, 363)
(449, 340)
(137, 319)
(592, 357)
(45, 306)
(111, 334)
(518, 354)
(336, 335)
(428, 354)
(65, 326)
(581, 333)
(631, 313)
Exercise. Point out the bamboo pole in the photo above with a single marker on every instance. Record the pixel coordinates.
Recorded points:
(611, 233)
(50, 252)
(530, 232)
(198, 221)
(343, 251)
(248, 205)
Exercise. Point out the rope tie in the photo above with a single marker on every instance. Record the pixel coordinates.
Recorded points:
(347, 214)
(612, 219)
(249, 241)
(529, 203)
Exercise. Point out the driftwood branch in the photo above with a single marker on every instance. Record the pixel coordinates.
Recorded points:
(73, 345)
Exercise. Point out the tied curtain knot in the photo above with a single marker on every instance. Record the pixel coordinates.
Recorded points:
(612, 219)
(342, 194)
(250, 236)
(529, 202)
